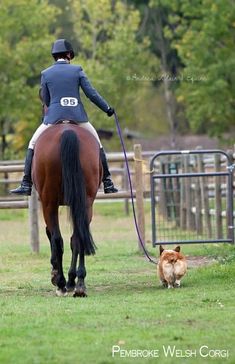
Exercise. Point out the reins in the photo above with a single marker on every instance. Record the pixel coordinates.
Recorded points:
(131, 190)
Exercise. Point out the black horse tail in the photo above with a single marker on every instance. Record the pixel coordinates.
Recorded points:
(74, 190)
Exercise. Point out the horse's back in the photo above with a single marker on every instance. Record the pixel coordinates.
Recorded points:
(47, 169)
(50, 138)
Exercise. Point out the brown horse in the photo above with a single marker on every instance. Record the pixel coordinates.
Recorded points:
(67, 171)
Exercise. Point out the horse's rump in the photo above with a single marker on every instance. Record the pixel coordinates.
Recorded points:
(47, 168)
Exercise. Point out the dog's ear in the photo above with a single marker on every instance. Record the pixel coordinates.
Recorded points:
(177, 249)
(161, 249)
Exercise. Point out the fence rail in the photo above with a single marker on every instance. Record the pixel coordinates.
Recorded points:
(8, 169)
(191, 194)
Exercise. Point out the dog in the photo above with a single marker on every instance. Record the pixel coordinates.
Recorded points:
(172, 266)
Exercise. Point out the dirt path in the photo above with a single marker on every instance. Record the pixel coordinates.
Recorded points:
(199, 261)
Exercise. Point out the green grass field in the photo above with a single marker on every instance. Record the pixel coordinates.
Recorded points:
(127, 317)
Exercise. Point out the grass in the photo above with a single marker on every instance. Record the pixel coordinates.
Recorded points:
(126, 306)
(12, 215)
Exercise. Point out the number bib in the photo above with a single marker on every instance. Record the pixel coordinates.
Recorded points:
(68, 101)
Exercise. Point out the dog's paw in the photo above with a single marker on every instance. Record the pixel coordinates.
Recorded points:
(164, 284)
(177, 284)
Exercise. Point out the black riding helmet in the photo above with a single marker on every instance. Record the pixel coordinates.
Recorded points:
(62, 46)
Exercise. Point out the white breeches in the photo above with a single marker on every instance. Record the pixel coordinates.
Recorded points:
(43, 127)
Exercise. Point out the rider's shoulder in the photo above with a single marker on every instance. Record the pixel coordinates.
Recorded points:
(75, 67)
(78, 67)
(46, 70)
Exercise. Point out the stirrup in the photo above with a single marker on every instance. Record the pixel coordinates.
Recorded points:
(109, 186)
(23, 189)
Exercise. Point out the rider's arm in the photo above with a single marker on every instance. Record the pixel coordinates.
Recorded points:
(45, 95)
(91, 92)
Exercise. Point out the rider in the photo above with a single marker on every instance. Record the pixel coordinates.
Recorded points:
(60, 85)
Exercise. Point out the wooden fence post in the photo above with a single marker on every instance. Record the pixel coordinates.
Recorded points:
(33, 221)
(126, 187)
(139, 193)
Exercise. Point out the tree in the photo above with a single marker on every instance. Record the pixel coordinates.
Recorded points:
(204, 37)
(162, 47)
(25, 42)
(155, 18)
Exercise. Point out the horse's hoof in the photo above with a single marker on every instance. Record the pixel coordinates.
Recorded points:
(70, 288)
(79, 293)
(61, 292)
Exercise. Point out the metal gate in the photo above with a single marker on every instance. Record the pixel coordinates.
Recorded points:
(192, 197)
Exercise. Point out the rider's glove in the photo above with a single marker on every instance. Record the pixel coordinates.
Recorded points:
(110, 111)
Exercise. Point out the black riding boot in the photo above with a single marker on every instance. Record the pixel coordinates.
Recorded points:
(26, 184)
(108, 183)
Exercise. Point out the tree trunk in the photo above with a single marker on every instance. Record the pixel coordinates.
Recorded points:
(166, 77)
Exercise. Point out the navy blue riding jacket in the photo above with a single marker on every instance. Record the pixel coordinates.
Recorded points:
(60, 85)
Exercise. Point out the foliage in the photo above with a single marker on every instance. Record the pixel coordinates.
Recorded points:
(199, 53)
(63, 24)
(111, 55)
(203, 33)
(161, 63)
(155, 18)
(24, 45)
(160, 14)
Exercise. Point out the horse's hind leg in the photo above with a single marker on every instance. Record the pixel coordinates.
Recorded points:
(57, 249)
(54, 269)
(80, 273)
(72, 270)
(80, 289)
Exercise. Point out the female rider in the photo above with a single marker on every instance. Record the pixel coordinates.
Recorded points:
(60, 86)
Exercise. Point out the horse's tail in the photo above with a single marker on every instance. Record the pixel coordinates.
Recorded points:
(74, 190)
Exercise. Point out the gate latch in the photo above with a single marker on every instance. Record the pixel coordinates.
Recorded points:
(231, 167)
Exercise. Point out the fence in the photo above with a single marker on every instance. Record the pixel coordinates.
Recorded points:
(11, 168)
(192, 197)
(191, 208)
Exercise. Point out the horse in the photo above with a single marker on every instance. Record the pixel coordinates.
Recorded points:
(67, 171)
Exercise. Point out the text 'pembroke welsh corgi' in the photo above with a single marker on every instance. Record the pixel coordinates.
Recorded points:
(172, 266)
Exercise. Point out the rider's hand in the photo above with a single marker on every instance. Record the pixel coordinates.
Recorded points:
(110, 111)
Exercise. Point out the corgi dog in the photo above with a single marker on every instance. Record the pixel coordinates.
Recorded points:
(172, 266)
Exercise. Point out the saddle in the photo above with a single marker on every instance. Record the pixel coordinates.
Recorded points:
(66, 122)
